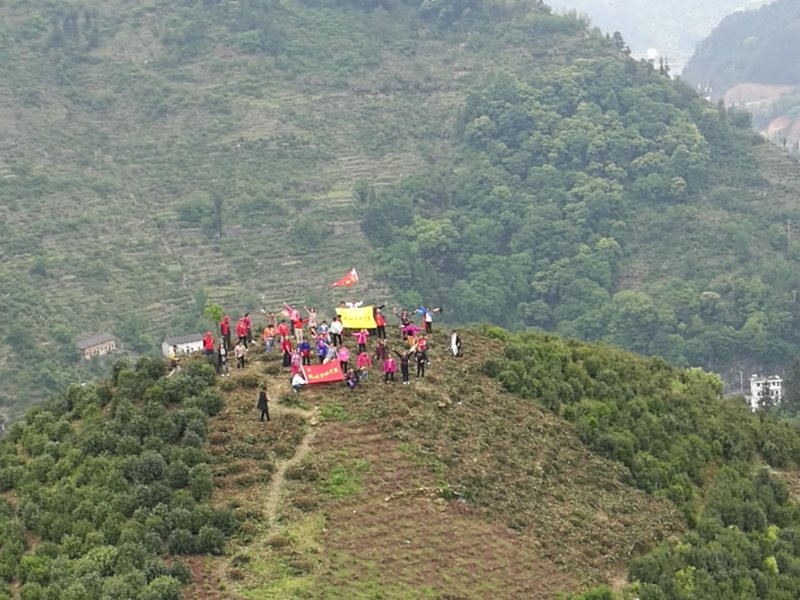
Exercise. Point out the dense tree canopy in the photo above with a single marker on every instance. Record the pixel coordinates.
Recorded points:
(570, 185)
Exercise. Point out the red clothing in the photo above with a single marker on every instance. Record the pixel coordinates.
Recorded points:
(389, 366)
(208, 342)
(283, 329)
(286, 345)
(380, 320)
(364, 361)
(225, 326)
(241, 328)
(422, 344)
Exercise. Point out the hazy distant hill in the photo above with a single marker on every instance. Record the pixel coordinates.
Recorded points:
(753, 59)
(672, 28)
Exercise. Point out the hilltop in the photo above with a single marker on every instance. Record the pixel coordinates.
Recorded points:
(533, 466)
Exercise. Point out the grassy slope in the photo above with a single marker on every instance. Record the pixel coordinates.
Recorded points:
(448, 488)
(101, 147)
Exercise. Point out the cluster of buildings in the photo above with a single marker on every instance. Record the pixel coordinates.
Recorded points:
(102, 344)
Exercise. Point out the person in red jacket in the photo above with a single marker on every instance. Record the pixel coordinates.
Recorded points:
(208, 344)
(380, 322)
(283, 330)
(286, 348)
(248, 328)
(241, 331)
(225, 331)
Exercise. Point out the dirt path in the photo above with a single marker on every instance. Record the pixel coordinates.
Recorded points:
(276, 483)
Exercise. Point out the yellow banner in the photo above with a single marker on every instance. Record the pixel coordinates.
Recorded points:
(357, 318)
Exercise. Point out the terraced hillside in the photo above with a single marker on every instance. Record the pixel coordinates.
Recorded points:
(121, 126)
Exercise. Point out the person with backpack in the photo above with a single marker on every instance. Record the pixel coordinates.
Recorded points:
(263, 403)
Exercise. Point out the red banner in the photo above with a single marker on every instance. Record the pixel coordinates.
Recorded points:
(347, 280)
(323, 373)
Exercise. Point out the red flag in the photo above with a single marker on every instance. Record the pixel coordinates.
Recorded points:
(347, 280)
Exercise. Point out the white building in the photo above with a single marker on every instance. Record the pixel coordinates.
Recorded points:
(765, 390)
(187, 344)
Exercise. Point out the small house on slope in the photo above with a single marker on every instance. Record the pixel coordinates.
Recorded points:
(187, 344)
(99, 344)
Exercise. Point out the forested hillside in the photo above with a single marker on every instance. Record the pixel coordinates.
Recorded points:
(576, 465)
(604, 201)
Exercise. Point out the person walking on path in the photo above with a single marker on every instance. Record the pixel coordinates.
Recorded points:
(389, 369)
(239, 352)
(405, 357)
(222, 360)
(344, 356)
(361, 339)
(263, 403)
(336, 331)
(225, 331)
(286, 349)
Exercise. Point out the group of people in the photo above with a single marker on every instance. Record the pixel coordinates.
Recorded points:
(302, 337)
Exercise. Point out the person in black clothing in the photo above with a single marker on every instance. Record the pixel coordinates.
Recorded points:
(263, 403)
(422, 358)
(405, 357)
